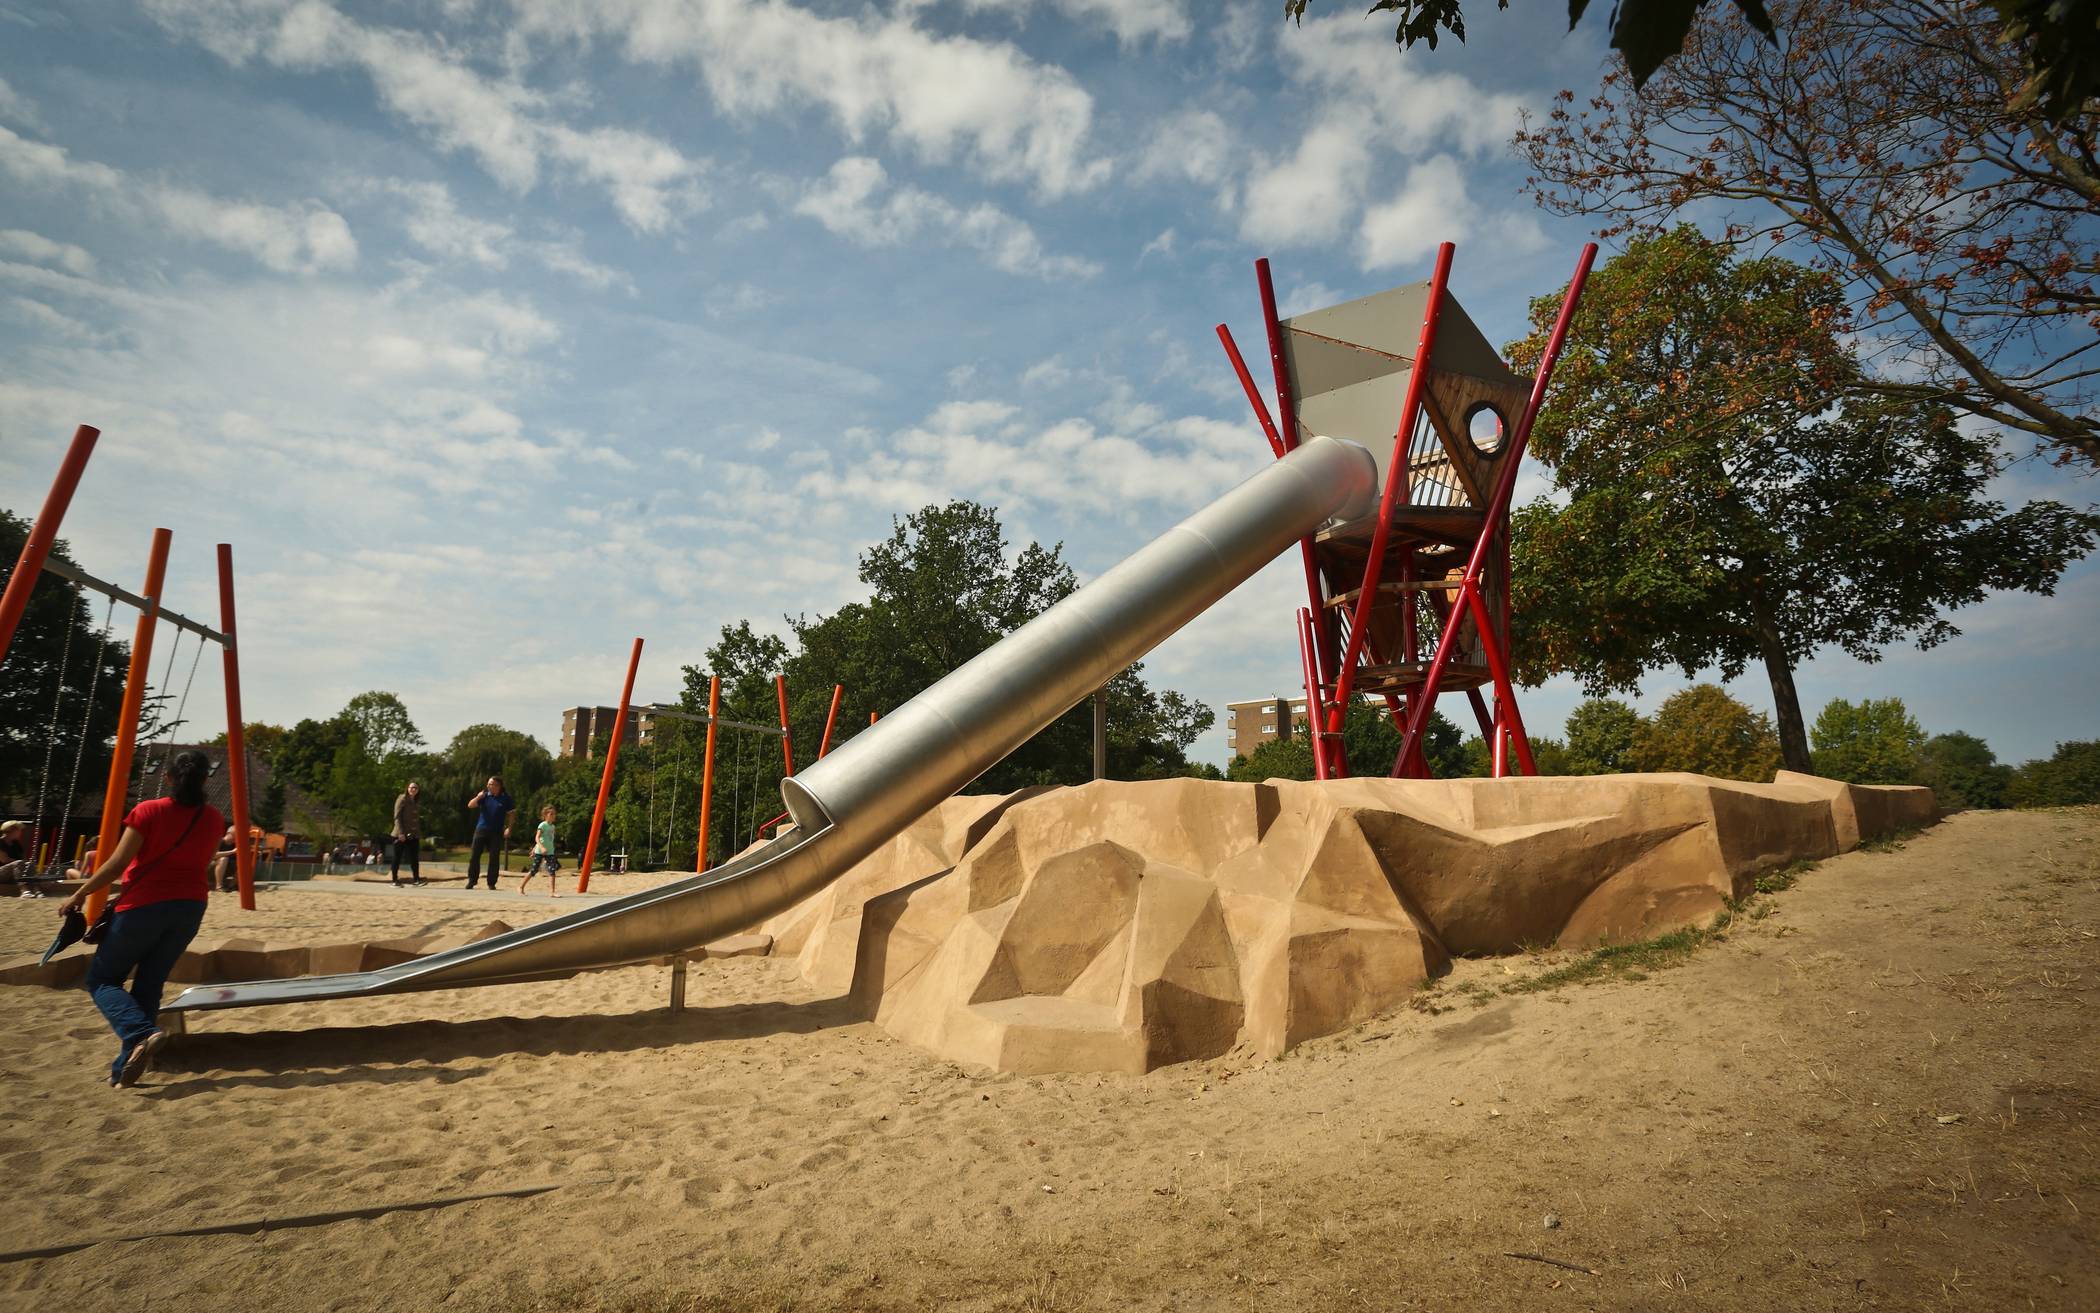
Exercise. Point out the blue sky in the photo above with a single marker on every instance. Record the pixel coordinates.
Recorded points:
(495, 332)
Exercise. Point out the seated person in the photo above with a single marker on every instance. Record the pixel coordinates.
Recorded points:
(224, 875)
(14, 851)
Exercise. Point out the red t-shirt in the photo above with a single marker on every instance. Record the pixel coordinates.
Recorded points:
(174, 860)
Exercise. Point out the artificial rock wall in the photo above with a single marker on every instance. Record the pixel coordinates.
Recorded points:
(1123, 926)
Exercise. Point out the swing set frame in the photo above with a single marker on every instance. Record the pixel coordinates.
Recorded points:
(714, 721)
(35, 561)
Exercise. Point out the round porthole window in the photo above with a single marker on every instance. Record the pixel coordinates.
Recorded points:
(1484, 428)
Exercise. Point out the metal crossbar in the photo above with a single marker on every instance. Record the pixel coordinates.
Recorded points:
(699, 719)
(75, 575)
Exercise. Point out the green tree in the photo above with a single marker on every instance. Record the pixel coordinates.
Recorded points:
(1370, 741)
(2069, 777)
(943, 588)
(1707, 732)
(1601, 734)
(262, 739)
(1962, 771)
(1876, 741)
(457, 774)
(1718, 512)
(307, 752)
(1278, 759)
(382, 724)
(269, 807)
(58, 628)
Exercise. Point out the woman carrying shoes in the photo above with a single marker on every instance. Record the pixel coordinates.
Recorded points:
(165, 857)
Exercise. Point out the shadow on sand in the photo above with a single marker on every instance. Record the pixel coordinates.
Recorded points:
(409, 1052)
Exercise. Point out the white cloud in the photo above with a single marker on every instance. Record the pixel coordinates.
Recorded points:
(1307, 198)
(856, 202)
(1430, 207)
(434, 221)
(302, 238)
(943, 98)
(1355, 64)
(1195, 144)
(36, 246)
(503, 124)
(1162, 245)
(18, 108)
(1130, 21)
(985, 450)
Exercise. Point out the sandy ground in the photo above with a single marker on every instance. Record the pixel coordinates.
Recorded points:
(1879, 1089)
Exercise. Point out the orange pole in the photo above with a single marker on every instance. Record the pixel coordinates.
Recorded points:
(118, 790)
(787, 745)
(837, 691)
(42, 533)
(605, 781)
(871, 718)
(236, 736)
(707, 768)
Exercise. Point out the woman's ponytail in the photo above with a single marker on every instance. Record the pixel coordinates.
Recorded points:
(186, 774)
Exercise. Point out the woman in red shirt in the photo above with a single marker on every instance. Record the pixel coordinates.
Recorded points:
(165, 858)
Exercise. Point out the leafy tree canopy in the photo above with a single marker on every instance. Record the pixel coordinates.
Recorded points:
(1371, 742)
(1875, 741)
(1719, 511)
(2052, 43)
(1601, 734)
(1962, 771)
(2068, 777)
(1887, 143)
(59, 628)
(1703, 730)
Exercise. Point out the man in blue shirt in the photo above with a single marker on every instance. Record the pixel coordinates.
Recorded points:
(492, 808)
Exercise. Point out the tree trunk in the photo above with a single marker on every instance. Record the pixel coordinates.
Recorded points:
(1786, 704)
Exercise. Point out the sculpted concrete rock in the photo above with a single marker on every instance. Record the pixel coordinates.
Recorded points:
(1121, 926)
(822, 933)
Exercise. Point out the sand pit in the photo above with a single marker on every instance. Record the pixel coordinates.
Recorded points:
(1760, 1127)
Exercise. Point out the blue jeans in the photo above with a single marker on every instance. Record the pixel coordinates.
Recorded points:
(142, 944)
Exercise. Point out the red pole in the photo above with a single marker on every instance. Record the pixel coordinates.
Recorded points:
(236, 736)
(707, 769)
(1395, 474)
(1261, 409)
(1497, 510)
(837, 691)
(605, 781)
(43, 533)
(787, 744)
(117, 791)
(1287, 414)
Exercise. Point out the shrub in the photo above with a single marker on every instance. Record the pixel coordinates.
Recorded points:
(1601, 733)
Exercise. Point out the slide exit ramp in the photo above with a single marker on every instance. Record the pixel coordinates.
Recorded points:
(881, 780)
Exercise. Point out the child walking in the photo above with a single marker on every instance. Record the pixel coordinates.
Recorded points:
(543, 852)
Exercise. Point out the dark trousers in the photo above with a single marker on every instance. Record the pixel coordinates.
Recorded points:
(413, 847)
(485, 841)
(143, 944)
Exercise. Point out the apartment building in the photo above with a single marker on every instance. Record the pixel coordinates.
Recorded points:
(584, 730)
(1248, 725)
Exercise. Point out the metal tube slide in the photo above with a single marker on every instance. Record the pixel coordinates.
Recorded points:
(866, 791)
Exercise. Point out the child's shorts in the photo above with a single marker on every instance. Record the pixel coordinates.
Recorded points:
(552, 863)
